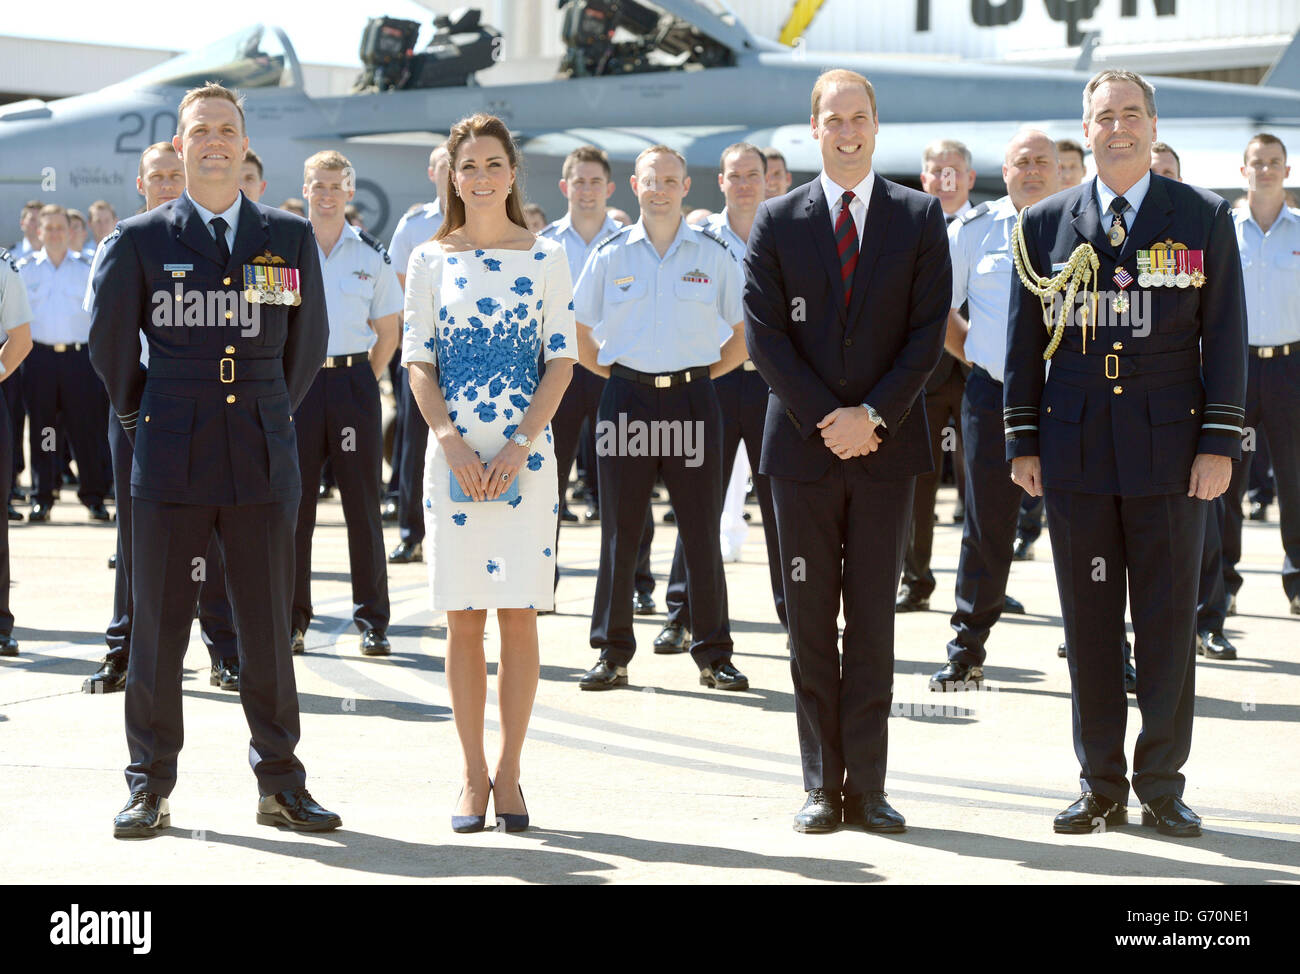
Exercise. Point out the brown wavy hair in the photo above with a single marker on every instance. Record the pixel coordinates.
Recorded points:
(479, 126)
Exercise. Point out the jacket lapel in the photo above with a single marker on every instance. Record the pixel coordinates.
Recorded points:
(252, 234)
(189, 229)
(1087, 221)
(819, 216)
(879, 212)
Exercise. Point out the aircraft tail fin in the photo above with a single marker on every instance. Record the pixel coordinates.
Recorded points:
(1286, 72)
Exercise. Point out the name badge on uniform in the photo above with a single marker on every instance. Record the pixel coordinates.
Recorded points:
(178, 270)
(1058, 267)
(623, 283)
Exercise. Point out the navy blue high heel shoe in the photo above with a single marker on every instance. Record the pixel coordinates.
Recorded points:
(469, 823)
(509, 822)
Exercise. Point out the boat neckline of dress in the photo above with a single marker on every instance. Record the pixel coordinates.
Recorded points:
(474, 250)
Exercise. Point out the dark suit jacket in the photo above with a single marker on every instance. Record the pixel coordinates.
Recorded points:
(193, 445)
(816, 356)
(1136, 433)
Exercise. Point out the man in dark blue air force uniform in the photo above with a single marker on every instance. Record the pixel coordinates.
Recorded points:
(229, 298)
(1129, 437)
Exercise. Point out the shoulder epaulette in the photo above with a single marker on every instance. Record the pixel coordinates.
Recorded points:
(374, 243)
(714, 236)
(615, 235)
(8, 258)
(975, 212)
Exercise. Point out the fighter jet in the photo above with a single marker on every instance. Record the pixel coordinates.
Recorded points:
(686, 73)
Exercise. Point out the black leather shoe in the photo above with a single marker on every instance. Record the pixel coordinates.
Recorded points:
(112, 562)
(145, 814)
(15, 514)
(822, 812)
(568, 517)
(603, 676)
(405, 553)
(295, 809)
(672, 638)
(1091, 813)
(643, 604)
(1258, 511)
(873, 813)
(1295, 605)
(98, 512)
(324, 492)
(1171, 816)
(8, 645)
(109, 678)
(40, 513)
(592, 513)
(1213, 644)
(957, 676)
(298, 642)
(907, 602)
(388, 513)
(375, 643)
(670, 516)
(959, 512)
(1061, 651)
(1012, 606)
(1022, 550)
(723, 676)
(1232, 606)
(225, 674)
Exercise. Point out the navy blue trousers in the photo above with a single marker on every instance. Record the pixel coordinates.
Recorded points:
(62, 391)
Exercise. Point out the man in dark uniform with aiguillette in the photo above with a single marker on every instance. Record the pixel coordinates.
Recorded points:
(1130, 436)
(228, 295)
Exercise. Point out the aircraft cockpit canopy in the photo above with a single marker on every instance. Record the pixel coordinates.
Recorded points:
(255, 57)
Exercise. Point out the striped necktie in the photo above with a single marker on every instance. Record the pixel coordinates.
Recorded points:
(846, 242)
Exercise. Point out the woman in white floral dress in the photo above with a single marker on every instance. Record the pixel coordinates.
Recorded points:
(484, 299)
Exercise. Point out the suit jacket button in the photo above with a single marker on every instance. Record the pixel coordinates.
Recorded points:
(230, 399)
(146, 419)
(844, 382)
(848, 342)
(230, 349)
(1118, 346)
(1117, 390)
(225, 280)
(1049, 409)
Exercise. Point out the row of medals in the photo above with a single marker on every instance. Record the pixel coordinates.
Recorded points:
(1153, 279)
(271, 296)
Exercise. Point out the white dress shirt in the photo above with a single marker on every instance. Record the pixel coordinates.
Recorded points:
(231, 216)
(858, 208)
(1134, 197)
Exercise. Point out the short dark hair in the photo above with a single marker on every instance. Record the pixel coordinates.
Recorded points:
(772, 154)
(738, 147)
(586, 153)
(1166, 147)
(256, 160)
(1264, 138)
(1069, 145)
(210, 90)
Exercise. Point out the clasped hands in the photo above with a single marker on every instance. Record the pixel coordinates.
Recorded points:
(483, 482)
(849, 432)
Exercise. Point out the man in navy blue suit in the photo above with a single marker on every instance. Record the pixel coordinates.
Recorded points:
(847, 282)
(228, 295)
(1128, 437)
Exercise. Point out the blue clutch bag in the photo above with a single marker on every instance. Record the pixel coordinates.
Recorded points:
(511, 493)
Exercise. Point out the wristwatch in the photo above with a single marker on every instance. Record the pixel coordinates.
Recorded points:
(874, 416)
(521, 440)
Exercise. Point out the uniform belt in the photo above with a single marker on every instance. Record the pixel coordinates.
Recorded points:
(345, 361)
(1273, 351)
(1114, 366)
(224, 370)
(749, 365)
(661, 380)
(63, 346)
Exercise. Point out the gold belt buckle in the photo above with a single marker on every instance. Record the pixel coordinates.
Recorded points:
(221, 372)
(1109, 363)
(60, 347)
(663, 381)
(1266, 352)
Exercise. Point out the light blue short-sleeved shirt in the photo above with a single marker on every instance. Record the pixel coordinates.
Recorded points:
(660, 315)
(360, 285)
(982, 270)
(56, 295)
(577, 250)
(413, 229)
(15, 309)
(1270, 267)
(720, 224)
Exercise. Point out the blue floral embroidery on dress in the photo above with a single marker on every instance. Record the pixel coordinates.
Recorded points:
(515, 502)
(546, 552)
(488, 306)
(442, 313)
(458, 519)
(491, 263)
(496, 387)
(461, 282)
(479, 253)
(570, 305)
(509, 431)
(548, 437)
(508, 413)
(540, 255)
(522, 286)
(452, 415)
(487, 411)
(492, 566)
(462, 431)
(521, 310)
(556, 343)
(555, 509)
(518, 400)
(534, 461)
(539, 305)
(432, 345)
(428, 503)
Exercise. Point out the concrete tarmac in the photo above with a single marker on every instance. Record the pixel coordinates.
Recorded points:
(665, 781)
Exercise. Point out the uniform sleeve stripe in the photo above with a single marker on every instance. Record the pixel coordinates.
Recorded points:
(1220, 426)
(1013, 430)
